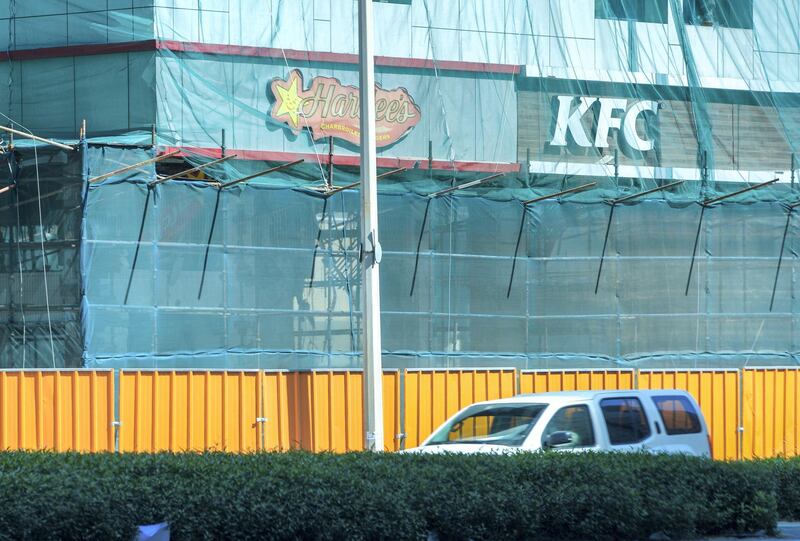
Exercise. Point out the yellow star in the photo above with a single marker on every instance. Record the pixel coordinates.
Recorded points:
(290, 100)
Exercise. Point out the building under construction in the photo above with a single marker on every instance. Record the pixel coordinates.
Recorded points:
(563, 183)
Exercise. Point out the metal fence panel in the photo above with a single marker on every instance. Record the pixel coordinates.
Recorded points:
(770, 411)
(59, 410)
(188, 411)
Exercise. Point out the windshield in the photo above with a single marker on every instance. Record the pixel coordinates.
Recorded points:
(497, 424)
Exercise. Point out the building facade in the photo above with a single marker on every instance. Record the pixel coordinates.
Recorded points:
(671, 114)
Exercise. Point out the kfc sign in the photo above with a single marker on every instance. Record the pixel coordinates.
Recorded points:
(612, 114)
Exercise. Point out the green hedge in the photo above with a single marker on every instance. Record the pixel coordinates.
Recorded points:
(390, 496)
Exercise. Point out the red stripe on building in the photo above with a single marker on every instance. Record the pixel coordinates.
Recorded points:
(337, 58)
(256, 52)
(81, 50)
(347, 160)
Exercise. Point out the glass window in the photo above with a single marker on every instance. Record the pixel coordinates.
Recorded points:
(497, 424)
(678, 414)
(574, 419)
(645, 11)
(625, 420)
(727, 13)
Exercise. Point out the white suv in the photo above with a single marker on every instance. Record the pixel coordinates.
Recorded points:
(667, 421)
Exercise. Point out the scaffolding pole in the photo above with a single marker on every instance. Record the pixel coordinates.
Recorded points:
(189, 171)
(36, 138)
(134, 166)
(260, 174)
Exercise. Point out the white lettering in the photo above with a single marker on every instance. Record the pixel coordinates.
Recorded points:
(629, 131)
(567, 122)
(571, 121)
(607, 121)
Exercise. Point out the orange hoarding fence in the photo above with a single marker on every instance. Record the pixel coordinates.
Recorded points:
(273, 408)
(392, 436)
(59, 410)
(546, 381)
(432, 396)
(247, 411)
(326, 410)
(189, 411)
(717, 392)
(770, 412)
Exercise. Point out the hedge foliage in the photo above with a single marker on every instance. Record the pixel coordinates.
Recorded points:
(391, 496)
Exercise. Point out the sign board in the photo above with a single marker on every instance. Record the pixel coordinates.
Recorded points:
(327, 108)
(583, 129)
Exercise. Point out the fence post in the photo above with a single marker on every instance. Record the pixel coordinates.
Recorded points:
(115, 423)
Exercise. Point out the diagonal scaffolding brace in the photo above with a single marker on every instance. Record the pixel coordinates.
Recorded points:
(576, 189)
(707, 204)
(721, 198)
(464, 186)
(188, 171)
(525, 204)
(134, 166)
(37, 138)
(614, 204)
(260, 174)
(329, 191)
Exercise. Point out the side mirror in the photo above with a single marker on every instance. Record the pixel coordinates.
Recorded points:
(559, 439)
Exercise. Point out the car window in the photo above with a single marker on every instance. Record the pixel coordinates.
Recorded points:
(625, 419)
(496, 424)
(678, 414)
(574, 419)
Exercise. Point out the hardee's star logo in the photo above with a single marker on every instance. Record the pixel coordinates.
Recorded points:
(288, 99)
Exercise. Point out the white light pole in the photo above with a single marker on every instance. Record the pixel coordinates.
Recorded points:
(370, 247)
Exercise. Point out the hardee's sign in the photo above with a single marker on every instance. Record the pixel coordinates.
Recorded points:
(329, 108)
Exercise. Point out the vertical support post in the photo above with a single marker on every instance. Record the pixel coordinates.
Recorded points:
(153, 136)
(223, 149)
(329, 180)
(694, 250)
(316, 244)
(704, 175)
(371, 251)
(794, 166)
(430, 157)
(516, 250)
(605, 245)
(616, 167)
(780, 257)
(528, 165)
(82, 136)
(419, 245)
